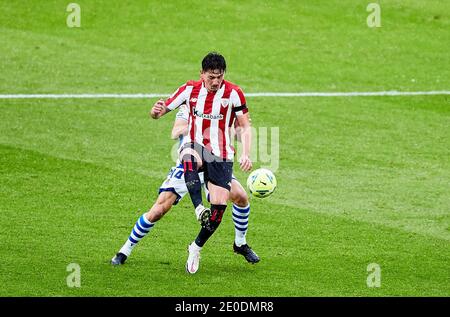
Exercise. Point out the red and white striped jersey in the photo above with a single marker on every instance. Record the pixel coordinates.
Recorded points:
(211, 114)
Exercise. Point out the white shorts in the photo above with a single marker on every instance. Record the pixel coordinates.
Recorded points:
(175, 183)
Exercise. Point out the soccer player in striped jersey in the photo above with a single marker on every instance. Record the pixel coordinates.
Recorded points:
(173, 189)
(214, 104)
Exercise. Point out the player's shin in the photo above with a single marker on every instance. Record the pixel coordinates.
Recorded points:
(141, 228)
(240, 220)
(192, 179)
(214, 221)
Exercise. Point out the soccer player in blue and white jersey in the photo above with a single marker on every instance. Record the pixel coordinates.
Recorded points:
(173, 189)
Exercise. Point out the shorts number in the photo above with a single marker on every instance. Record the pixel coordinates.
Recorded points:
(179, 174)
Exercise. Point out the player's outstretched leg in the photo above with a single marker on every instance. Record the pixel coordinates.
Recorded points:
(144, 225)
(193, 261)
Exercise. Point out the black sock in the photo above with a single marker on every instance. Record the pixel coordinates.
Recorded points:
(214, 221)
(203, 236)
(192, 179)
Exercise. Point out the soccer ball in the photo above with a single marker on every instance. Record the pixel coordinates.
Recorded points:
(261, 183)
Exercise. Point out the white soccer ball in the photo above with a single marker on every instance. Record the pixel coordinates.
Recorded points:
(261, 183)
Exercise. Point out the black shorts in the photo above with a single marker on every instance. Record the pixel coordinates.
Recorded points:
(217, 170)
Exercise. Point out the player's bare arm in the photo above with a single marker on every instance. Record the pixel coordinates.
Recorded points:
(159, 109)
(180, 127)
(246, 140)
(236, 131)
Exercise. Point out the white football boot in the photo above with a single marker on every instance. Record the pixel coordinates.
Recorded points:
(193, 261)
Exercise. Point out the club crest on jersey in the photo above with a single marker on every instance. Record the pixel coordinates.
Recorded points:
(225, 102)
(193, 100)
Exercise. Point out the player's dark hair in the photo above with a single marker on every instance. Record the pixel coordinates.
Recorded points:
(214, 61)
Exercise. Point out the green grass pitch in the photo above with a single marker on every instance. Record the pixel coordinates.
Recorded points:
(360, 180)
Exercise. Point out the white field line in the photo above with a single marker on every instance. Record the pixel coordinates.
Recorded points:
(258, 94)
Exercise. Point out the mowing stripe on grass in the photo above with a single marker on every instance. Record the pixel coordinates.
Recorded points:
(257, 94)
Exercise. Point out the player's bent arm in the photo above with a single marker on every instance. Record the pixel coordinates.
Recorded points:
(180, 127)
(245, 133)
(236, 130)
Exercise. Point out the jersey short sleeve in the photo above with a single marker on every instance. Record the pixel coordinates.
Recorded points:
(178, 98)
(238, 100)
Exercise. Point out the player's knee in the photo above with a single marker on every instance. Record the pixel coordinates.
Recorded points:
(238, 195)
(189, 162)
(188, 157)
(240, 198)
(219, 195)
(220, 199)
(192, 159)
(241, 201)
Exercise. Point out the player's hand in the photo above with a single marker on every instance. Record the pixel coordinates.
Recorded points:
(158, 109)
(245, 163)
